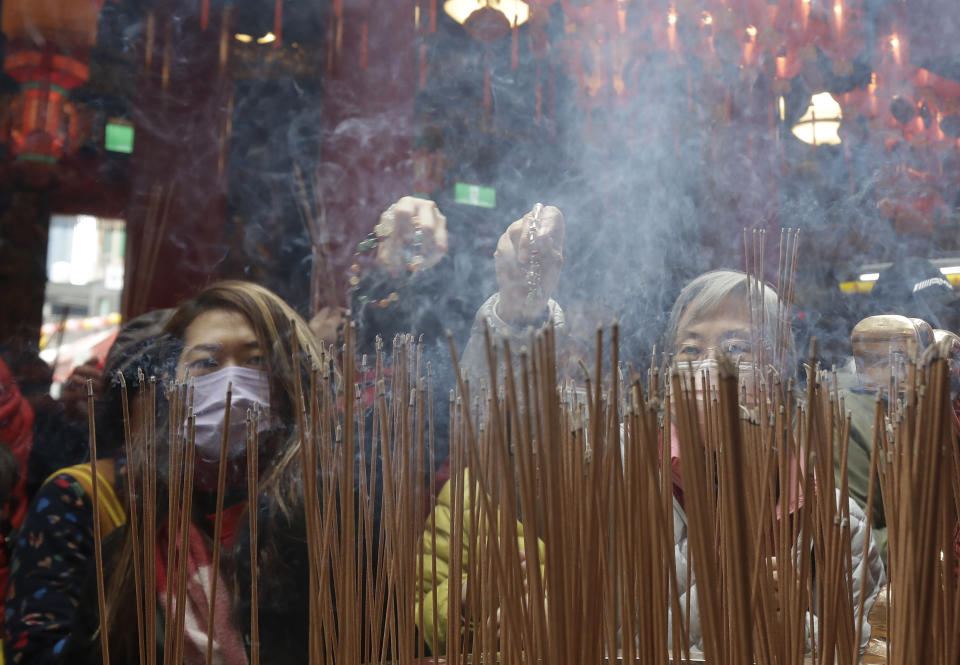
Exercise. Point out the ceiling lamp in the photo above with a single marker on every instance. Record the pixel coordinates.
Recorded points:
(820, 125)
(244, 38)
(488, 20)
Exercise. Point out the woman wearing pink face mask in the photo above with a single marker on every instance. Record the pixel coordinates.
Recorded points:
(238, 334)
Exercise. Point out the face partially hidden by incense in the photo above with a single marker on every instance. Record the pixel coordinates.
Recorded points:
(705, 336)
(217, 339)
(221, 349)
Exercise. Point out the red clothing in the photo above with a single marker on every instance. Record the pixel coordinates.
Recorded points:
(794, 485)
(228, 645)
(231, 520)
(16, 432)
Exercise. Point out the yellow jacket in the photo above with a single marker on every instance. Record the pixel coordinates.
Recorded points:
(435, 589)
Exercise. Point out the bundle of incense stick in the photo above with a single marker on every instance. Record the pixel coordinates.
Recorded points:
(313, 215)
(590, 482)
(560, 545)
(916, 456)
(154, 229)
(771, 353)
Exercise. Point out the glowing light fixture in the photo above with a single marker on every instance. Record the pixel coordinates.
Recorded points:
(85, 250)
(244, 38)
(869, 277)
(118, 136)
(460, 10)
(820, 125)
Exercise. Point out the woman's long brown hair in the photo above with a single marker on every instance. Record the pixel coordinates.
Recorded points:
(275, 324)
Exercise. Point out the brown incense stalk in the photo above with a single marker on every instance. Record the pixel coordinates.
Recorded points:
(313, 216)
(253, 471)
(97, 544)
(218, 522)
(186, 507)
(559, 542)
(174, 480)
(132, 471)
(153, 232)
(149, 483)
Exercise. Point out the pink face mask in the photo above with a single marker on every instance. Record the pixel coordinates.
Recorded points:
(250, 390)
(706, 377)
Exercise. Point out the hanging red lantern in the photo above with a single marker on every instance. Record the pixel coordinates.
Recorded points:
(893, 46)
(846, 33)
(490, 21)
(487, 95)
(487, 24)
(576, 10)
(750, 48)
(934, 88)
(43, 125)
(915, 132)
(539, 41)
(422, 78)
(47, 53)
(788, 65)
(278, 23)
(514, 46)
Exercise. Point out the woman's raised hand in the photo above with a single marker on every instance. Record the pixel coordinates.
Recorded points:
(528, 261)
(412, 236)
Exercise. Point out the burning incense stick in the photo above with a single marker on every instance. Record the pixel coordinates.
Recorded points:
(218, 521)
(97, 536)
(132, 471)
(253, 471)
(559, 541)
(313, 216)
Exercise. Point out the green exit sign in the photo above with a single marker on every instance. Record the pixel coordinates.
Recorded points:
(475, 195)
(118, 137)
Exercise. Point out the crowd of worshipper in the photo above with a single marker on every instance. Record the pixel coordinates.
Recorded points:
(240, 334)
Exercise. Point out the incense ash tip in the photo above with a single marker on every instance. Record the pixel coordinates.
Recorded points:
(727, 367)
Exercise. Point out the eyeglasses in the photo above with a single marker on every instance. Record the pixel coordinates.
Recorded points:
(693, 350)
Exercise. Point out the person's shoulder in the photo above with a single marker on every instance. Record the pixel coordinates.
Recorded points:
(60, 506)
(858, 518)
(679, 522)
(62, 486)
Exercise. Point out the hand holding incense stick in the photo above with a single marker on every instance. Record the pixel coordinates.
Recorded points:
(528, 261)
(534, 265)
(410, 236)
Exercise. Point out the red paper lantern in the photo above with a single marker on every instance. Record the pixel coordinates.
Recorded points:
(487, 24)
(47, 53)
(43, 124)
